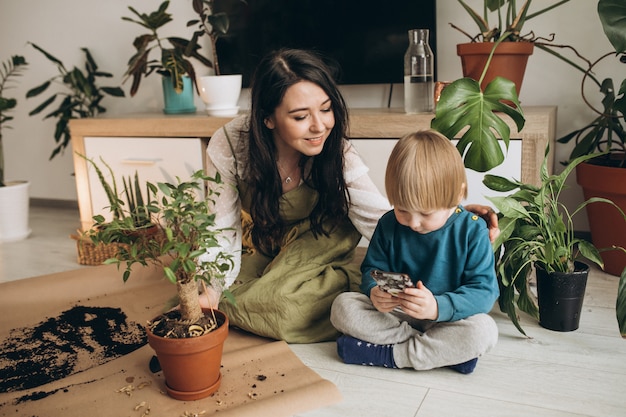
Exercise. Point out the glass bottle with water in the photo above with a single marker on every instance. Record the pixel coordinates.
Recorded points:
(418, 73)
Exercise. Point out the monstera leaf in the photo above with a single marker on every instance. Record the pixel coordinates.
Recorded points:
(463, 105)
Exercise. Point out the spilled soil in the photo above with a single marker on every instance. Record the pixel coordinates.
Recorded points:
(76, 340)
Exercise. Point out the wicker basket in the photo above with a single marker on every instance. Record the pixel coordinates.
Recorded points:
(92, 254)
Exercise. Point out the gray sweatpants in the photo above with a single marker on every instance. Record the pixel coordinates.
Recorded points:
(418, 344)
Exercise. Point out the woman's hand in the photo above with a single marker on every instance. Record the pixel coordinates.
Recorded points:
(382, 300)
(210, 298)
(419, 302)
(489, 216)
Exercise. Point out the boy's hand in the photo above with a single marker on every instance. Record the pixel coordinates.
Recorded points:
(383, 301)
(419, 302)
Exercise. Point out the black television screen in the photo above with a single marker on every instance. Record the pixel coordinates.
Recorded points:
(364, 39)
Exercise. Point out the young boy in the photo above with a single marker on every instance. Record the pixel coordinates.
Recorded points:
(441, 321)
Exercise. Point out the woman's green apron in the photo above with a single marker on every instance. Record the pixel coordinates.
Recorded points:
(289, 297)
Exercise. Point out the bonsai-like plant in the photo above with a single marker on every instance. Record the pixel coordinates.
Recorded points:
(175, 51)
(83, 98)
(12, 68)
(188, 225)
(536, 229)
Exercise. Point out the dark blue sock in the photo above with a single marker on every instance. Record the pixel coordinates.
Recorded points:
(465, 367)
(359, 352)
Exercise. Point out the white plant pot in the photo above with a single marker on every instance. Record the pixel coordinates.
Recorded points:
(220, 93)
(14, 203)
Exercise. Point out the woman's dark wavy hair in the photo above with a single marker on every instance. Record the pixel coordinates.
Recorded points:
(275, 74)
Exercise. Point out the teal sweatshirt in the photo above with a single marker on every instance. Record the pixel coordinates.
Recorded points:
(455, 262)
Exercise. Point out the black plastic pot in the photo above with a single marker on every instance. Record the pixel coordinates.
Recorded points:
(560, 297)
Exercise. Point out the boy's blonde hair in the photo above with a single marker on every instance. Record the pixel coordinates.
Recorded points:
(425, 172)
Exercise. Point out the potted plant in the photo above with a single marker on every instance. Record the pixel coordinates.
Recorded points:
(131, 210)
(486, 93)
(187, 223)
(219, 92)
(604, 175)
(463, 104)
(13, 195)
(177, 71)
(83, 99)
(511, 55)
(537, 232)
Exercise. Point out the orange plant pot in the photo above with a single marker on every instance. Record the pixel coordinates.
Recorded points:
(509, 61)
(605, 221)
(191, 366)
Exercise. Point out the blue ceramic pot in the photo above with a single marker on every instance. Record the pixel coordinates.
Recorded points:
(176, 103)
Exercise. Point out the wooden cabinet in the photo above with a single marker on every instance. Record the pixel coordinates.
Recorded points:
(156, 159)
(159, 146)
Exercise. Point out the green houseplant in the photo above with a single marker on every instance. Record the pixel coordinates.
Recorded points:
(128, 206)
(12, 68)
(14, 197)
(480, 99)
(187, 227)
(604, 175)
(212, 24)
(173, 64)
(83, 97)
(219, 92)
(537, 230)
(174, 51)
(463, 104)
(512, 54)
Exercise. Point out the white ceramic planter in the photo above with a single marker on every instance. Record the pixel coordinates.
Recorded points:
(14, 203)
(220, 93)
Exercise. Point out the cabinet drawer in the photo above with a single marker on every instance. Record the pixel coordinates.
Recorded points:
(154, 159)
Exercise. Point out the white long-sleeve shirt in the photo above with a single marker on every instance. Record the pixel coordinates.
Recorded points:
(367, 204)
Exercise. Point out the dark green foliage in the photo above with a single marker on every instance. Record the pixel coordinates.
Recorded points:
(536, 228)
(12, 68)
(173, 61)
(82, 97)
(135, 208)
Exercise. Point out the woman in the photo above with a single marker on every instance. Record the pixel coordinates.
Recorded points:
(297, 200)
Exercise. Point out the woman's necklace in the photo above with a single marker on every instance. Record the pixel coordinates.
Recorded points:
(288, 175)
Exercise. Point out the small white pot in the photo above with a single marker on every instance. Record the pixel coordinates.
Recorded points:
(14, 203)
(220, 93)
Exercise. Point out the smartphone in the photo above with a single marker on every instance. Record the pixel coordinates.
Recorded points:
(391, 282)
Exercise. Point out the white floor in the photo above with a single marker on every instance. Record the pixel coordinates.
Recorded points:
(580, 373)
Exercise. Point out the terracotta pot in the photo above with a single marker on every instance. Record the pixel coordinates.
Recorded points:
(605, 221)
(509, 61)
(191, 366)
(560, 297)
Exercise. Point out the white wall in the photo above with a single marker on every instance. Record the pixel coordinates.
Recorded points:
(62, 27)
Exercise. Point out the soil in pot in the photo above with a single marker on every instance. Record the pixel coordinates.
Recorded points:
(191, 365)
(560, 297)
